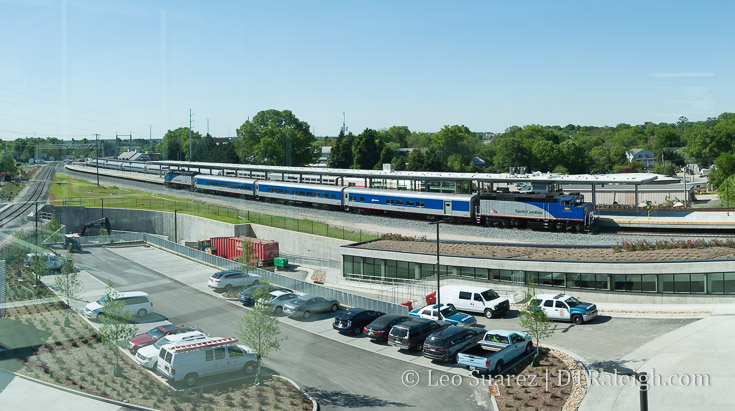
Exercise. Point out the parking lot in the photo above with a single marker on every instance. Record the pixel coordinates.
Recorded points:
(368, 374)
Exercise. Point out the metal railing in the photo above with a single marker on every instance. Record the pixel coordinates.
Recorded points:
(345, 298)
(314, 261)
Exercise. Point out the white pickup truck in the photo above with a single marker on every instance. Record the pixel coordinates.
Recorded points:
(496, 349)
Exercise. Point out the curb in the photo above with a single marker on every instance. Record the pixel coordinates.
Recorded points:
(314, 403)
(84, 394)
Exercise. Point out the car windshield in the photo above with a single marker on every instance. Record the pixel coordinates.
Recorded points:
(160, 343)
(154, 333)
(217, 275)
(573, 302)
(448, 311)
(102, 300)
(399, 332)
(489, 295)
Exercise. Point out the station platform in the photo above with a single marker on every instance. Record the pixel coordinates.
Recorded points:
(684, 220)
(129, 175)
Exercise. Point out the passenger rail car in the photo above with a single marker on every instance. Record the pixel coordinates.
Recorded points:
(412, 202)
(302, 192)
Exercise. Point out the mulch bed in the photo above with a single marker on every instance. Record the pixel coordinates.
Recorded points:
(75, 357)
(544, 253)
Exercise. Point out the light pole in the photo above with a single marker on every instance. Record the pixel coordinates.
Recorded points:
(97, 156)
(438, 284)
(640, 377)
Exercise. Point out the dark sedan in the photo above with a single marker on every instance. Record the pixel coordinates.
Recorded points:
(150, 337)
(444, 345)
(246, 295)
(353, 320)
(378, 330)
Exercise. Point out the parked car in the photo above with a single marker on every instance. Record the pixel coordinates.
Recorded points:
(148, 355)
(444, 344)
(190, 361)
(380, 327)
(306, 305)
(562, 307)
(246, 295)
(48, 261)
(136, 303)
(353, 320)
(474, 299)
(227, 280)
(448, 314)
(150, 337)
(410, 335)
(278, 299)
(496, 349)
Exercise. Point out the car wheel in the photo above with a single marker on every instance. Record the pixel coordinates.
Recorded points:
(498, 367)
(142, 313)
(228, 288)
(307, 314)
(357, 331)
(249, 368)
(335, 307)
(279, 310)
(100, 317)
(420, 347)
(488, 313)
(577, 319)
(529, 348)
(191, 379)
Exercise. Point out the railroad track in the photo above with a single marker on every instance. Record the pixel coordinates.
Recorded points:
(36, 193)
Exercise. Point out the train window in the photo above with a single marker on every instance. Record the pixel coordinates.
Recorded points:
(301, 193)
(419, 204)
(389, 201)
(352, 198)
(362, 199)
(399, 202)
(409, 203)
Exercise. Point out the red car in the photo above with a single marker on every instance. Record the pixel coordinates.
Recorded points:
(150, 337)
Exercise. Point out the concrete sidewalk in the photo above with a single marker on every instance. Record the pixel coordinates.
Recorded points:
(689, 368)
(17, 393)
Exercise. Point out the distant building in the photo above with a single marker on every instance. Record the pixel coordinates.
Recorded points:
(135, 155)
(324, 156)
(640, 155)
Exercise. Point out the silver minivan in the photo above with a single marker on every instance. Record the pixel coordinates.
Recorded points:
(137, 303)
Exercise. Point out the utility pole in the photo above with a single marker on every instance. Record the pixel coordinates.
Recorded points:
(190, 158)
(97, 157)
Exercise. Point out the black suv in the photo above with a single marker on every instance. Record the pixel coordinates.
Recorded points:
(354, 319)
(411, 334)
(378, 329)
(444, 344)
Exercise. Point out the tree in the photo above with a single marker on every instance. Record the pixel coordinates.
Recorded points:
(276, 138)
(260, 330)
(726, 191)
(724, 168)
(116, 328)
(416, 160)
(573, 157)
(510, 153)
(68, 284)
(366, 152)
(544, 155)
(247, 255)
(341, 154)
(536, 323)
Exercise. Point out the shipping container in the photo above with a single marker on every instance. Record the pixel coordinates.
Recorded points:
(263, 251)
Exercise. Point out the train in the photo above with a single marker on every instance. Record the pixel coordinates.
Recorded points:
(500, 208)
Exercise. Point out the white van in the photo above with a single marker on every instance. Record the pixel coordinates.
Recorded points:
(474, 299)
(189, 362)
(148, 355)
(136, 303)
(48, 261)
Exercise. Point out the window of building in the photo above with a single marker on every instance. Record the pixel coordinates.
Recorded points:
(467, 272)
(682, 283)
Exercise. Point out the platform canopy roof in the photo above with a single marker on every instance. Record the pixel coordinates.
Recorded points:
(536, 177)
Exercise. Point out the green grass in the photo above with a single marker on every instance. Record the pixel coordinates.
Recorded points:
(9, 190)
(74, 192)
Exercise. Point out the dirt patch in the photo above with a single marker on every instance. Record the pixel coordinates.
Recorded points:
(546, 386)
(550, 253)
(74, 357)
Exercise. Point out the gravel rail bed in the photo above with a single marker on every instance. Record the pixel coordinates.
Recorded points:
(382, 224)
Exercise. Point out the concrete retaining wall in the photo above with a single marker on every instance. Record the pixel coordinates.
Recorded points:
(296, 243)
(192, 228)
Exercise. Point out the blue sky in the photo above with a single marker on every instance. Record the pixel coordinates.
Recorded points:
(73, 68)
